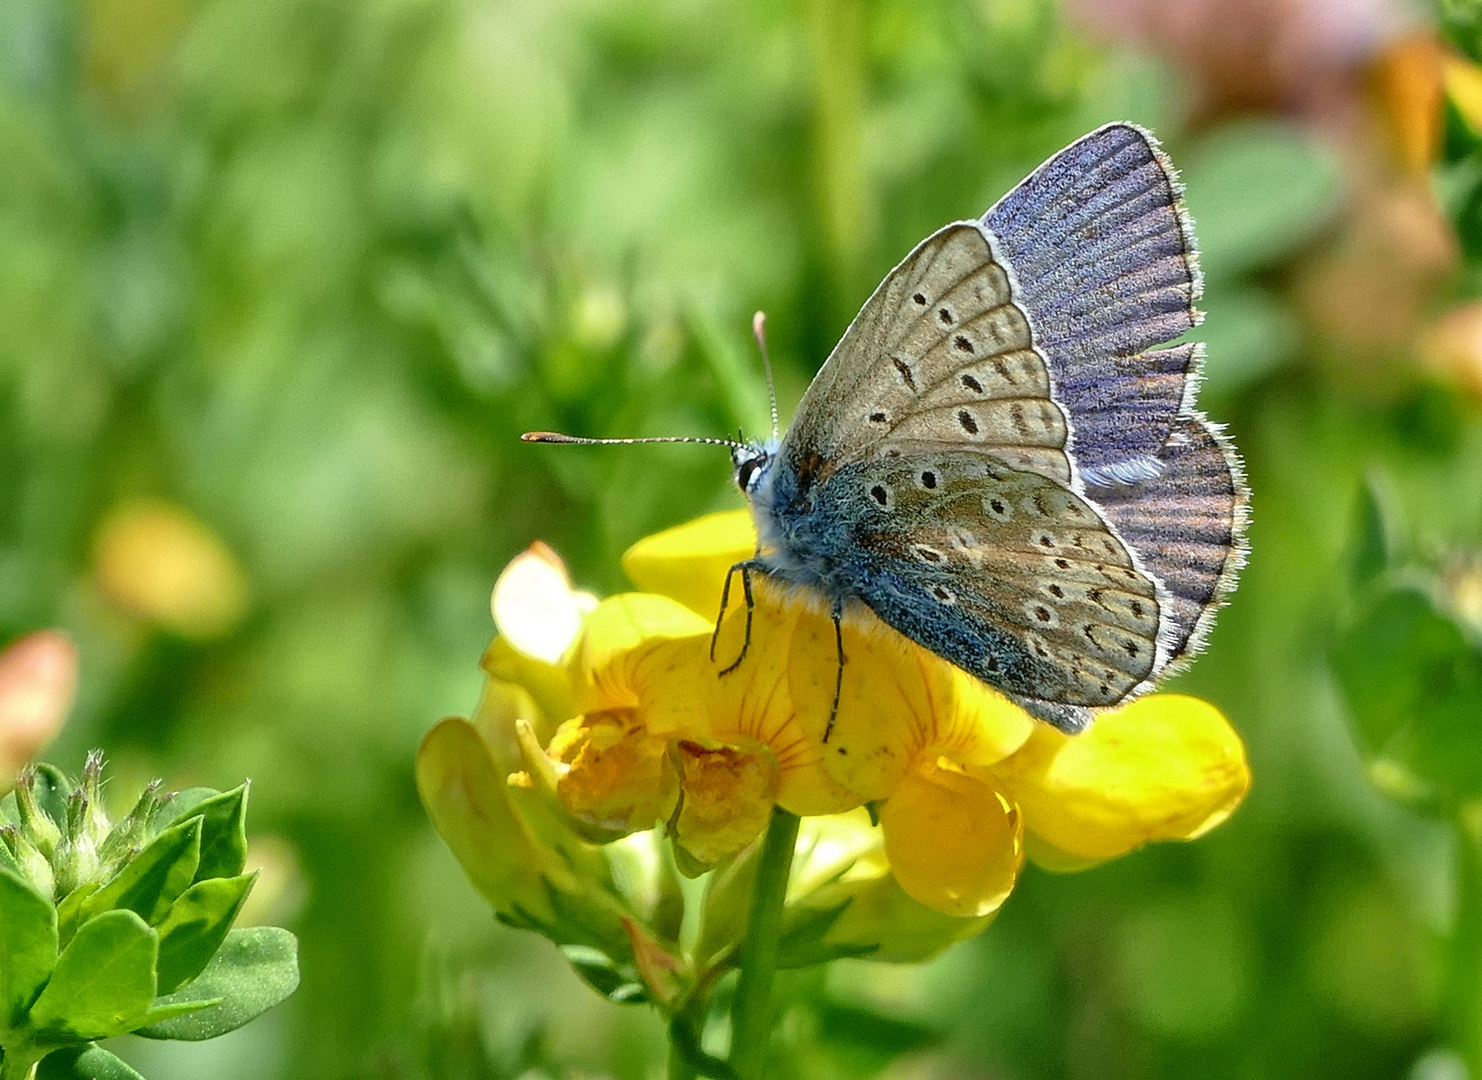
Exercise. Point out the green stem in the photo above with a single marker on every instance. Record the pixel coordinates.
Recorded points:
(751, 1012)
(684, 1038)
(1465, 996)
(679, 1065)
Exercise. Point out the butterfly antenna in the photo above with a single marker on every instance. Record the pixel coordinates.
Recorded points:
(759, 330)
(557, 437)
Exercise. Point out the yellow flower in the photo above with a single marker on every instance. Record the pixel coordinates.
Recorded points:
(960, 776)
(659, 735)
(158, 561)
(624, 715)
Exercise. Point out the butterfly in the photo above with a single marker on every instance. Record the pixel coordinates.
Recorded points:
(1001, 458)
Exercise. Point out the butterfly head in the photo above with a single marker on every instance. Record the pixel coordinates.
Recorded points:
(753, 463)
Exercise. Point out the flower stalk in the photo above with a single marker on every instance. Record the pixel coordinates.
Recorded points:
(751, 1011)
(1466, 974)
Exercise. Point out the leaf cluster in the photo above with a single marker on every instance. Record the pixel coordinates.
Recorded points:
(114, 929)
(1409, 663)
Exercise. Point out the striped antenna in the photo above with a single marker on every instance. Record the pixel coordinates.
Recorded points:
(557, 437)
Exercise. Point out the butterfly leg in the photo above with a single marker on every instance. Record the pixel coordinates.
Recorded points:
(725, 598)
(836, 614)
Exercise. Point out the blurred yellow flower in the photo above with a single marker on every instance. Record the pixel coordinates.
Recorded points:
(961, 782)
(160, 563)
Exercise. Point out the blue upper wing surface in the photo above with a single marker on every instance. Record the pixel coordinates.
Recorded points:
(1103, 258)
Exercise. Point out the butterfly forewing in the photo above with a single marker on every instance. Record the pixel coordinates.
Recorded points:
(1012, 575)
(941, 356)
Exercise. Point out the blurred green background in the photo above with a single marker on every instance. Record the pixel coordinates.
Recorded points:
(281, 281)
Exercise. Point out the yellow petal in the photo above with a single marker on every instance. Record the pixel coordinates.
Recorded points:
(725, 799)
(954, 842)
(754, 702)
(841, 862)
(615, 775)
(534, 606)
(625, 658)
(689, 562)
(1164, 767)
(466, 797)
(547, 685)
(896, 700)
(893, 926)
(1464, 87)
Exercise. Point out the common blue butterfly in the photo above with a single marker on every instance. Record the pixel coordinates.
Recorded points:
(1001, 458)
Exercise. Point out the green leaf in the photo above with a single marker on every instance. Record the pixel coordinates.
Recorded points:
(1373, 545)
(104, 980)
(254, 970)
(28, 946)
(1413, 684)
(617, 983)
(88, 1062)
(196, 926)
(178, 806)
(158, 1014)
(866, 1041)
(7, 860)
(52, 788)
(153, 879)
(803, 942)
(1251, 333)
(69, 912)
(223, 832)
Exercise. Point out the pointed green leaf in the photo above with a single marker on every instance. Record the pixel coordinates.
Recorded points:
(254, 969)
(154, 879)
(52, 789)
(28, 946)
(103, 983)
(617, 983)
(803, 937)
(89, 1062)
(223, 832)
(7, 860)
(1372, 548)
(196, 926)
(180, 805)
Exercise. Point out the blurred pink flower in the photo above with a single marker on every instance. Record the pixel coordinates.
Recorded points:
(1306, 56)
(38, 676)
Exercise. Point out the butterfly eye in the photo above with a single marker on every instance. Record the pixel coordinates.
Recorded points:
(746, 472)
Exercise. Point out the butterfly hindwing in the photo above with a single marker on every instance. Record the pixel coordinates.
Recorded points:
(1188, 524)
(1005, 573)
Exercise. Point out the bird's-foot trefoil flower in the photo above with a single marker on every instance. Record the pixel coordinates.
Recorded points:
(620, 746)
